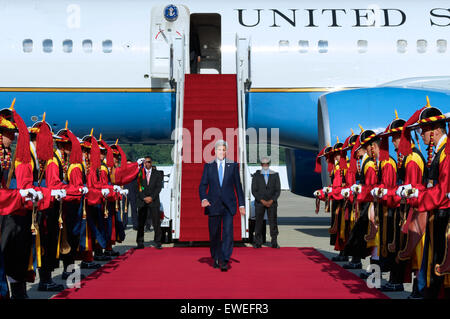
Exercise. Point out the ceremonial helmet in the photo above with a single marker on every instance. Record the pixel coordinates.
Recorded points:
(7, 122)
(367, 137)
(66, 136)
(338, 146)
(86, 141)
(115, 149)
(396, 126)
(426, 115)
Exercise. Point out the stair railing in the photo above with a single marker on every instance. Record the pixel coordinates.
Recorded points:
(243, 77)
(178, 78)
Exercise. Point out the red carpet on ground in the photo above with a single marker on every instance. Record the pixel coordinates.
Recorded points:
(187, 273)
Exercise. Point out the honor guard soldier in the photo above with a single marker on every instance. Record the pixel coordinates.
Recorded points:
(407, 246)
(75, 176)
(345, 219)
(48, 168)
(16, 227)
(433, 279)
(107, 165)
(337, 229)
(381, 223)
(350, 179)
(92, 232)
(356, 246)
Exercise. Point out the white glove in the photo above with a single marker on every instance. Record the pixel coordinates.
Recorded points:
(24, 192)
(84, 190)
(327, 190)
(317, 193)
(356, 188)
(345, 192)
(28, 193)
(448, 195)
(58, 194)
(117, 188)
(415, 194)
(374, 192)
(124, 192)
(63, 193)
(40, 195)
(140, 161)
(399, 191)
(105, 192)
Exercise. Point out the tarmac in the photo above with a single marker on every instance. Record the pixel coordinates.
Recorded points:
(298, 224)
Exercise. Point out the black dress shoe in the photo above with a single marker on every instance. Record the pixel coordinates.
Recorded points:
(102, 257)
(19, 290)
(339, 258)
(89, 265)
(364, 275)
(351, 265)
(392, 287)
(415, 295)
(256, 246)
(50, 286)
(275, 245)
(216, 264)
(224, 266)
(140, 246)
(112, 253)
(158, 246)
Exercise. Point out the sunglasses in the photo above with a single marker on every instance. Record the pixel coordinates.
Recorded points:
(148, 162)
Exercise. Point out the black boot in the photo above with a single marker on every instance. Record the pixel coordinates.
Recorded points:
(46, 283)
(355, 263)
(274, 243)
(19, 290)
(415, 294)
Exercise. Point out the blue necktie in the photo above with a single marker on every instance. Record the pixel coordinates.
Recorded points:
(220, 173)
(266, 177)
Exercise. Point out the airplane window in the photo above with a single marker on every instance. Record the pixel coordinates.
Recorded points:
(283, 45)
(362, 46)
(304, 45)
(401, 46)
(47, 45)
(107, 46)
(67, 46)
(421, 46)
(323, 46)
(441, 45)
(87, 46)
(27, 45)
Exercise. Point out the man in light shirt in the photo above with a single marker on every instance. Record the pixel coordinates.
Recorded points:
(221, 179)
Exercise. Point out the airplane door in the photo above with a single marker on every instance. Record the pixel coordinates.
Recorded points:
(168, 22)
(205, 43)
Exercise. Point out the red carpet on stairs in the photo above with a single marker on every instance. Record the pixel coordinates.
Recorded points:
(211, 99)
(187, 273)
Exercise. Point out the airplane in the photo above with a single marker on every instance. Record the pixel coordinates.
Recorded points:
(314, 69)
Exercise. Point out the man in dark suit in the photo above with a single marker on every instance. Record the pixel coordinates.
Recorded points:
(266, 189)
(150, 183)
(221, 180)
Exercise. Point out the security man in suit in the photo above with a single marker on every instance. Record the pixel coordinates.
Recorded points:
(150, 183)
(266, 189)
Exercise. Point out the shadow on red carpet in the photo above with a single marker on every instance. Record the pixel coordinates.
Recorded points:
(188, 273)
